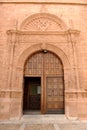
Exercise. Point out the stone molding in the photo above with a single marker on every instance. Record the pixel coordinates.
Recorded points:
(37, 47)
(67, 2)
(18, 37)
(19, 32)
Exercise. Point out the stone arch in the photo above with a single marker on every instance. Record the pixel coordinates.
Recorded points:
(36, 48)
(43, 22)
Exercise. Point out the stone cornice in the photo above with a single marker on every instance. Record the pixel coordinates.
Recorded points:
(66, 2)
(43, 32)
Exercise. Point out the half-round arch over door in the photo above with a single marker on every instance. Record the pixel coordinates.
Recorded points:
(44, 84)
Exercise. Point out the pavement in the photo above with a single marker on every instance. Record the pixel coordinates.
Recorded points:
(44, 122)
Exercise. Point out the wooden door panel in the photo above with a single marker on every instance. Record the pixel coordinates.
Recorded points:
(52, 105)
(54, 92)
(52, 64)
(35, 102)
(32, 99)
(34, 96)
(34, 65)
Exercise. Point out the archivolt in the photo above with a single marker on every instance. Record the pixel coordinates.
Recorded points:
(37, 47)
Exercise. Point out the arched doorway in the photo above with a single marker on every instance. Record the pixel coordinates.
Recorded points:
(43, 83)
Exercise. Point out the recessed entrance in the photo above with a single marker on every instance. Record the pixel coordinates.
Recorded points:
(32, 94)
(44, 83)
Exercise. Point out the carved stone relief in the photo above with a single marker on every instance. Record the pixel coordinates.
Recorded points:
(43, 22)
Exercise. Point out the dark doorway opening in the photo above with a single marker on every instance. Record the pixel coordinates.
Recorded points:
(32, 94)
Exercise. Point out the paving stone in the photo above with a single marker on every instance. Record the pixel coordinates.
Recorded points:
(45, 122)
(82, 126)
(9, 127)
(68, 126)
(40, 127)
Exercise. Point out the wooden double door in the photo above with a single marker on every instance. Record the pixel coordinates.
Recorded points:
(43, 83)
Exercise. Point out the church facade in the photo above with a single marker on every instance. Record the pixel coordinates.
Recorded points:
(43, 58)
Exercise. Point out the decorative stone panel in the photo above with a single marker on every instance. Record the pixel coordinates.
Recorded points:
(43, 22)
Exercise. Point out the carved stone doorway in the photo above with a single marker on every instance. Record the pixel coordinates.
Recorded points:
(45, 69)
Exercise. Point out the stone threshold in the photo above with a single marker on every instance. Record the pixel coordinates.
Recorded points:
(42, 119)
